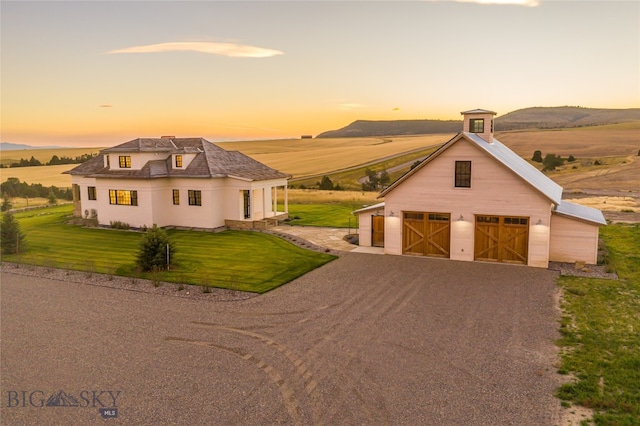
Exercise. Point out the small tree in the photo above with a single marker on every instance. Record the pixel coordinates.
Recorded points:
(152, 252)
(551, 161)
(537, 156)
(52, 198)
(571, 159)
(6, 203)
(11, 237)
(326, 183)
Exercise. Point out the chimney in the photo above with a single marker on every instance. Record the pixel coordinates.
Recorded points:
(480, 122)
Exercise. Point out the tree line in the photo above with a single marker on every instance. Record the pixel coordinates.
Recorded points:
(12, 187)
(55, 160)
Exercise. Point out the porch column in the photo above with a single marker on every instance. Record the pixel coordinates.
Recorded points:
(274, 196)
(286, 198)
(264, 204)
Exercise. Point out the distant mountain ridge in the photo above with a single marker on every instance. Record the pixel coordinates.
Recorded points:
(8, 146)
(527, 118)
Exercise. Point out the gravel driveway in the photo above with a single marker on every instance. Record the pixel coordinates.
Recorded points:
(365, 339)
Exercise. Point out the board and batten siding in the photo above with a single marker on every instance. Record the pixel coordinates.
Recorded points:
(495, 190)
(573, 240)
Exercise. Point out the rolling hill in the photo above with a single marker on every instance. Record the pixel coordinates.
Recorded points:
(528, 118)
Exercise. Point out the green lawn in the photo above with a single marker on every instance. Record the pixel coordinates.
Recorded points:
(248, 261)
(601, 334)
(333, 215)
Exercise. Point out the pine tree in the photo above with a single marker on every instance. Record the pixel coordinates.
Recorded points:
(152, 252)
(11, 237)
(6, 203)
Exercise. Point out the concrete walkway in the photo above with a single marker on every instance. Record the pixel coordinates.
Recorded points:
(331, 238)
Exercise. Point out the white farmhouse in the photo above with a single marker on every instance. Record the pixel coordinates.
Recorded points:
(182, 182)
(475, 199)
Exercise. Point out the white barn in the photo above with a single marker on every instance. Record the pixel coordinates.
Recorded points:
(183, 182)
(475, 199)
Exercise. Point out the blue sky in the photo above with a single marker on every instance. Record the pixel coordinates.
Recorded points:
(98, 73)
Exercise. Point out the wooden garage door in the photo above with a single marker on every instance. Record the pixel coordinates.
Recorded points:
(426, 234)
(502, 238)
(377, 231)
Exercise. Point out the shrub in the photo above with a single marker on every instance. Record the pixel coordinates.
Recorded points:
(326, 183)
(11, 237)
(537, 156)
(152, 252)
(571, 159)
(551, 161)
(116, 224)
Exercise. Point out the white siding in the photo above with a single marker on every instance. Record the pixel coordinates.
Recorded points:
(495, 190)
(573, 240)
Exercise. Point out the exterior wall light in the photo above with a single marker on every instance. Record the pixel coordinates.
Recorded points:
(539, 222)
(461, 218)
(392, 214)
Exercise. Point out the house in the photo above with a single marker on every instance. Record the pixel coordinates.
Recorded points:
(475, 199)
(182, 182)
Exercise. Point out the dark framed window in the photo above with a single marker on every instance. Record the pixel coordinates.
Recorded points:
(178, 160)
(125, 161)
(463, 174)
(476, 125)
(247, 203)
(123, 197)
(176, 197)
(91, 192)
(195, 197)
(108, 163)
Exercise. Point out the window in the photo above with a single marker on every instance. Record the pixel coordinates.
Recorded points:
(176, 197)
(108, 163)
(125, 161)
(123, 197)
(476, 125)
(463, 174)
(178, 160)
(247, 203)
(91, 192)
(195, 198)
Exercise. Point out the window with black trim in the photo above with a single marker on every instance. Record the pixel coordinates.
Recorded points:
(246, 197)
(123, 197)
(125, 161)
(178, 160)
(195, 197)
(91, 192)
(176, 197)
(476, 125)
(463, 174)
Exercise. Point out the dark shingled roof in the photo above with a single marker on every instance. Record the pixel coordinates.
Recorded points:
(210, 161)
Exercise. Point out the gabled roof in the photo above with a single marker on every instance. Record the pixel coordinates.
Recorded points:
(210, 161)
(502, 154)
(577, 211)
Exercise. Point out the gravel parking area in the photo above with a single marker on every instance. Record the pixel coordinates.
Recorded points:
(365, 339)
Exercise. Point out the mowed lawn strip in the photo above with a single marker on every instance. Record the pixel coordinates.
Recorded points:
(330, 215)
(248, 261)
(601, 334)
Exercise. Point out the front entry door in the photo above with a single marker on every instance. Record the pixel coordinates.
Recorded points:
(502, 239)
(377, 231)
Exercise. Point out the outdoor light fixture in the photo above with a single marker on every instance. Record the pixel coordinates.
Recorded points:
(461, 218)
(539, 222)
(392, 214)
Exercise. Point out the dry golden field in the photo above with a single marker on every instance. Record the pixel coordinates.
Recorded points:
(45, 175)
(304, 157)
(43, 155)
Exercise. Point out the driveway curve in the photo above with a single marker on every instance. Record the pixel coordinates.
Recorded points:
(365, 339)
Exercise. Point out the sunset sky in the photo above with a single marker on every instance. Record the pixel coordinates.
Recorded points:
(99, 73)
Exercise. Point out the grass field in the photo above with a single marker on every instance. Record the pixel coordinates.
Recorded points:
(601, 334)
(203, 258)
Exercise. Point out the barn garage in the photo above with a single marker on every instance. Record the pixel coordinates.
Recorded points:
(426, 234)
(501, 239)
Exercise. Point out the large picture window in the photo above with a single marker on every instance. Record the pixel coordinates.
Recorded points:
(125, 161)
(463, 174)
(123, 197)
(91, 193)
(195, 197)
